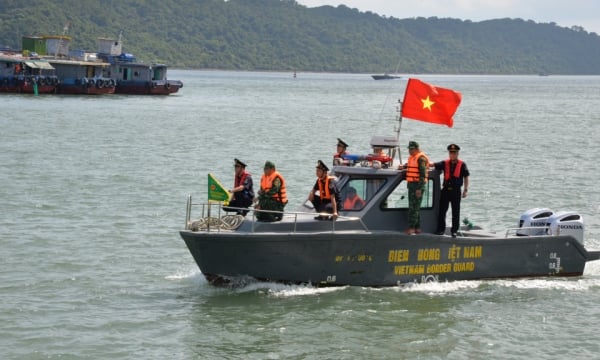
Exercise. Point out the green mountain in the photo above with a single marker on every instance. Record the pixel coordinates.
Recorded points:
(283, 35)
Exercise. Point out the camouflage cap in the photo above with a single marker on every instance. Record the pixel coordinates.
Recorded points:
(269, 165)
(413, 145)
(453, 147)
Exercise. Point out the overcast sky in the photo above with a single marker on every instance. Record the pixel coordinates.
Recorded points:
(565, 13)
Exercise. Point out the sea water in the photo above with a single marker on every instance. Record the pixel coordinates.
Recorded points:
(93, 192)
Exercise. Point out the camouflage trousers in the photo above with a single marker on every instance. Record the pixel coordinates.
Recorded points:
(414, 206)
(269, 204)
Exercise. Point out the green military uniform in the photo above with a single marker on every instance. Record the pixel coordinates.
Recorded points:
(267, 202)
(416, 178)
(272, 199)
(414, 203)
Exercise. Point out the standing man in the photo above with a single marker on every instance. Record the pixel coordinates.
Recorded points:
(338, 157)
(272, 194)
(456, 174)
(242, 193)
(325, 195)
(416, 178)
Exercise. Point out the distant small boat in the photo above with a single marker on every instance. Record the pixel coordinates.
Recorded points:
(385, 77)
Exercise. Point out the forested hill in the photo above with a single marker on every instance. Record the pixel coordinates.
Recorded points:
(283, 35)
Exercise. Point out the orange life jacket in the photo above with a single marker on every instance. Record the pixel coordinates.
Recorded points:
(351, 204)
(457, 169)
(412, 171)
(324, 194)
(453, 179)
(266, 183)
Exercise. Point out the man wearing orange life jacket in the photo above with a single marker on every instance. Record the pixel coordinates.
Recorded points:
(416, 178)
(325, 195)
(242, 193)
(456, 174)
(353, 201)
(272, 194)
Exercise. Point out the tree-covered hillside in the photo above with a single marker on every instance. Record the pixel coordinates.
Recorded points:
(283, 35)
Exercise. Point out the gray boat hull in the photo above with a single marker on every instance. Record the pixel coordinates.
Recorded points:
(369, 246)
(385, 258)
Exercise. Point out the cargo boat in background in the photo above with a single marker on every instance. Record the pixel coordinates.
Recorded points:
(370, 247)
(76, 75)
(83, 77)
(107, 71)
(133, 77)
(20, 74)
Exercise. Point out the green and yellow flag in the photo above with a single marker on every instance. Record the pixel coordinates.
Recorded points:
(216, 191)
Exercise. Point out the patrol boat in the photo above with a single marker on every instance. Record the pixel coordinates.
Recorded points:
(368, 246)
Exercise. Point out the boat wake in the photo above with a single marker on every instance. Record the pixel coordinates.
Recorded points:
(283, 291)
(438, 287)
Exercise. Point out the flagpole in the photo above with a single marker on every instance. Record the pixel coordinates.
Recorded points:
(398, 130)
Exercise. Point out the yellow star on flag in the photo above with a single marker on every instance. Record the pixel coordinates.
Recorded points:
(427, 103)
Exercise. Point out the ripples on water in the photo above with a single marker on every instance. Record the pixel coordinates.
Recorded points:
(93, 194)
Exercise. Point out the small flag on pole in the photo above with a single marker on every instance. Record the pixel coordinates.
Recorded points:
(216, 191)
(425, 102)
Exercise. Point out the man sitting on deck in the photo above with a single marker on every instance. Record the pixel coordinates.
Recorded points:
(325, 195)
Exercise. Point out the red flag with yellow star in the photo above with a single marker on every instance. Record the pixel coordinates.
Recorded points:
(425, 102)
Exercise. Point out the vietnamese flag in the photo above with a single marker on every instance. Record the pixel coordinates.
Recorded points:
(425, 102)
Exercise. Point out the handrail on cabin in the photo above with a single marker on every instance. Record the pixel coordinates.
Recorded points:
(206, 207)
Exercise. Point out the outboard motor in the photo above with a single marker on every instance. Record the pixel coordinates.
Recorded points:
(537, 217)
(566, 223)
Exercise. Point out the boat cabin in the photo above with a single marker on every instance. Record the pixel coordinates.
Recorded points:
(385, 196)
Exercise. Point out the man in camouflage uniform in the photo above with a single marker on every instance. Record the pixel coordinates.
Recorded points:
(416, 178)
(272, 194)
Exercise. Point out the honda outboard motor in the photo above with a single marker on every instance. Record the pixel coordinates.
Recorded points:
(566, 223)
(537, 218)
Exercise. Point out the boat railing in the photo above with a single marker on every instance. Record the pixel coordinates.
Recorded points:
(213, 219)
(527, 231)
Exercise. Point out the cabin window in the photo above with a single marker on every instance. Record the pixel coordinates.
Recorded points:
(357, 193)
(398, 199)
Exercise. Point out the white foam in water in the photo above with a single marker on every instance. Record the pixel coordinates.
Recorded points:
(283, 290)
(185, 274)
(439, 287)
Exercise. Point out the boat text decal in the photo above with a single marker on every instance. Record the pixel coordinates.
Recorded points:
(434, 260)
